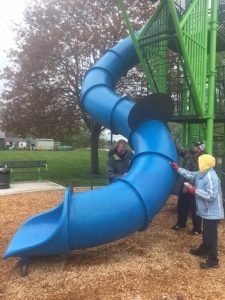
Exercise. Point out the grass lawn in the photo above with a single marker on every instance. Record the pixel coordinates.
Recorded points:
(64, 167)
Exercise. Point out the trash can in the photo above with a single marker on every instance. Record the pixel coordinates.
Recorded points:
(4, 178)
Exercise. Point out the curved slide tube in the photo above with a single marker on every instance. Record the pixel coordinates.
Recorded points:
(88, 219)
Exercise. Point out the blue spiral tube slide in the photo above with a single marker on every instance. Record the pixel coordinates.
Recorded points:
(92, 218)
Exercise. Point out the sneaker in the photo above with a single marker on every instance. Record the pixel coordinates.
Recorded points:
(197, 252)
(177, 227)
(195, 232)
(209, 264)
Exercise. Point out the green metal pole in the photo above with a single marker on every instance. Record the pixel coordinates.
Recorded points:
(153, 19)
(187, 13)
(184, 135)
(134, 40)
(196, 99)
(223, 137)
(212, 76)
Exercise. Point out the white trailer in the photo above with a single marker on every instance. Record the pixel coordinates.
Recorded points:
(44, 144)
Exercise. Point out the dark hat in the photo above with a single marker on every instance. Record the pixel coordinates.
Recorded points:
(200, 145)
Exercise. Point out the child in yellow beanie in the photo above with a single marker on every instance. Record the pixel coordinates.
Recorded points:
(206, 186)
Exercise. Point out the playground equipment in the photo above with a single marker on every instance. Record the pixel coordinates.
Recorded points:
(169, 46)
(100, 216)
(182, 51)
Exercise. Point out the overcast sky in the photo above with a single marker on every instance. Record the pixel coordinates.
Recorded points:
(10, 11)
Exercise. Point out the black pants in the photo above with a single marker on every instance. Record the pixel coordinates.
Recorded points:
(209, 245)
(186, 204)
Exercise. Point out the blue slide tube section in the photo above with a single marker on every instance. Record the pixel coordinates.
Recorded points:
(44, 234)
(100, 216)
(130, 202)
(98, 98)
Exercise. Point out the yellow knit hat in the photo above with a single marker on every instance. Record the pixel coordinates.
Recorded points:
(206, 161)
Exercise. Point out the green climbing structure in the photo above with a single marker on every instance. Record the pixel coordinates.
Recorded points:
(182, 52)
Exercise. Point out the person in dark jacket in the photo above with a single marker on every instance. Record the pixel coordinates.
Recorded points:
(118, 161)
(206, 186)
(186, 201)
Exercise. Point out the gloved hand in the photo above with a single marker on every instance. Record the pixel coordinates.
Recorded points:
(174, 165)
(190, 188)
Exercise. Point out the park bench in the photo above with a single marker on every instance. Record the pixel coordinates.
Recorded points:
(26, 166)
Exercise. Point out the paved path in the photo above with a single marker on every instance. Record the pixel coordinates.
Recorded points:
(31, 186)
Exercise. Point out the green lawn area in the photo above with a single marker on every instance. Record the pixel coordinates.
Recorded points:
(64, 167)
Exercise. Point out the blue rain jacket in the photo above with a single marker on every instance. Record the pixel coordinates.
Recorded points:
(208, 193)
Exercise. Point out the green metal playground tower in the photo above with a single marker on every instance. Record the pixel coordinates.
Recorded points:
(182, 51)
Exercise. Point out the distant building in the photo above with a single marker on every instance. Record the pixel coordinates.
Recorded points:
(29, 143)
(2, 140)
(44, 144)
(12, 142)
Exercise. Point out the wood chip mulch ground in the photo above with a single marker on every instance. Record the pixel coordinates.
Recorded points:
(153, 264)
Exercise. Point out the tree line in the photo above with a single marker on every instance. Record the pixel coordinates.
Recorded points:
(58, 41)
